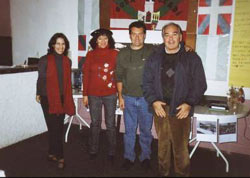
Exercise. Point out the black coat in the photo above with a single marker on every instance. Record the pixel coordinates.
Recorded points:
(190, 80)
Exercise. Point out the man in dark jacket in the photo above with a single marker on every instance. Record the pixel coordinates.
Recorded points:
(173, 83)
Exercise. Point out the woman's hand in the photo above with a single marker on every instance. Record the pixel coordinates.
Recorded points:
(85, 101)
(121, 103)
(38, 98)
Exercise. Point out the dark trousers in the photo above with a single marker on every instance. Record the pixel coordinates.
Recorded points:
(54, 124)
(173, 135)
(95, 107)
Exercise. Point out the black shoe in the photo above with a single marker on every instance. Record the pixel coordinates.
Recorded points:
(111, 159)
(92, 156)
(145, 164)
(127, 164)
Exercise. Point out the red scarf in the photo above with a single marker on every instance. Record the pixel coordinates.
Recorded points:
(53, 93)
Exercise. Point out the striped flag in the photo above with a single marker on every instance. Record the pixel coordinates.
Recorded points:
(216, 13)
(213, 36)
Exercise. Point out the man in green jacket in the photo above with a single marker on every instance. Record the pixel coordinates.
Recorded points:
(129, 71)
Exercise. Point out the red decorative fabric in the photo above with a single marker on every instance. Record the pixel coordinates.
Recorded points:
(98, 72)
(53, 93)
(125, 11)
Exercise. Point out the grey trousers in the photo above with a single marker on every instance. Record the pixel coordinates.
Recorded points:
(95, 107)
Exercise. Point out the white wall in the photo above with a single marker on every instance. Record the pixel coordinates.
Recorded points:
(21, 116)
(33, 22)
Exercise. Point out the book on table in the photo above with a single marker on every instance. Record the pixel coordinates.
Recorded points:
(215, 102)
(218, 105)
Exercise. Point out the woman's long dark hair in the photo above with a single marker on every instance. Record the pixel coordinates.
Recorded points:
(52, 42)
(99, 32)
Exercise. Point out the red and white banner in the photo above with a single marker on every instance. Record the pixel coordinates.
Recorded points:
(155, 14)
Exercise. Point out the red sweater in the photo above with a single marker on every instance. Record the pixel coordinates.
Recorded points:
(98, 72)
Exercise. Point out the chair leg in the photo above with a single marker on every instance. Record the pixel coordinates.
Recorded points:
(67, 132)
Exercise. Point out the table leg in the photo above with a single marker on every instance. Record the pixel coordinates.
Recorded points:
(78, 116)
(192, 140)
(81, 119)
(195, 147)
(218, 152)
(67, 132)
(223, 157)
(66, 119)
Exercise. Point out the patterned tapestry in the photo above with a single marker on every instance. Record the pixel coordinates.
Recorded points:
(155, 13)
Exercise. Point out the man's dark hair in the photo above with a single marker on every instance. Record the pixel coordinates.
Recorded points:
(52, 42)
(137, 24)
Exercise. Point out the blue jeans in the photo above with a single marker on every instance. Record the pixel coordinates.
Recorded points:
(136, 112)
(95, 108)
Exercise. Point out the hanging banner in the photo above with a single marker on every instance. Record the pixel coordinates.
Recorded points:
(213, 37)
(240, 55)
(88, 21)
(155, 14)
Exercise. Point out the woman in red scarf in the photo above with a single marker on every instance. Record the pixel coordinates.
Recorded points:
(54, 92)
(99, 89)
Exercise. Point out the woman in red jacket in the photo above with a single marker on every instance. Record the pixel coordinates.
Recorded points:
(54, 92)
(99, 89)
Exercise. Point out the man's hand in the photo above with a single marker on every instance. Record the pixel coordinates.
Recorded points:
(38, 98)
(85, 101)
(184, 110)
(159, 111)
(188, 48)
(121, 103)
